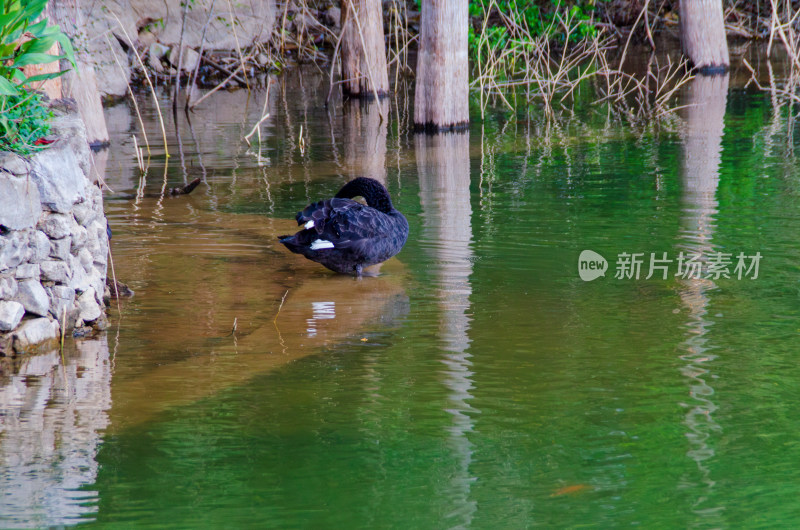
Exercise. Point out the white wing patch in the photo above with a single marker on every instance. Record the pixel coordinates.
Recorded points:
(309, 224)
(319, 244)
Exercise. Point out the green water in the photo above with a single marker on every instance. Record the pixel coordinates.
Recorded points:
(478, 382)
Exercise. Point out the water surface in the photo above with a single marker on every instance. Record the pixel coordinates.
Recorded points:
(477, 381)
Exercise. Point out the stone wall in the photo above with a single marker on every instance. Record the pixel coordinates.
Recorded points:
(53, 240)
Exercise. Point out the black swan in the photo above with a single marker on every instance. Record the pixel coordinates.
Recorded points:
(346, 236)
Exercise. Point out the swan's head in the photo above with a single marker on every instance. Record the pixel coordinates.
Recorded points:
(373, 191)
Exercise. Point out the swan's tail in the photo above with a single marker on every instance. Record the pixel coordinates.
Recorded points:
(303, 242)
(291, 243)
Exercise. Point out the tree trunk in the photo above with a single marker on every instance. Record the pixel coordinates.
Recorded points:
(703, 35)
(81, 83)
(365, 139)
(441, 101)
(364, 70)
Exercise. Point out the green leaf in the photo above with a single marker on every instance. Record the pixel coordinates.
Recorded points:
(34, 9)
(43, 77)
(37, 28)
(7, 88)
(40, 45)
(66, 48)
(36, 58)
(7, 49)
(8, 21)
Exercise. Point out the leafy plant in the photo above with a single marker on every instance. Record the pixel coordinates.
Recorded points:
(23, 41)
(24, 120)
(538, 18)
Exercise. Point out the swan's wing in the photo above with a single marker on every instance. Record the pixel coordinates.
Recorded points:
(355, 226)
(349, 226)
(342, 219)
(316, 214)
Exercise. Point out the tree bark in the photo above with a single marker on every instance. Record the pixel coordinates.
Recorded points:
(441, 101)
(703, 35)
(364, 71)
(80, 83)
(365, 139)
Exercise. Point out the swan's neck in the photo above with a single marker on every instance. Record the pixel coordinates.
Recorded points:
(373, 191)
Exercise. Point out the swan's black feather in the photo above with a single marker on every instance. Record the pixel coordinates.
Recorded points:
(360, 235)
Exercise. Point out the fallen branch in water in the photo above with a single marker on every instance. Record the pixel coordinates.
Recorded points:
(185, 190)
(221, 69)
(196, 103)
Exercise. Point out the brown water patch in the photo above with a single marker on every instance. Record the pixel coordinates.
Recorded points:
(201, 271)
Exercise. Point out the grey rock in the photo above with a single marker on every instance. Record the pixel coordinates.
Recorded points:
(146, 38)
(14, 164)
(97, 280)
(59, 248)
(79, 237)
(59, 177)
(95, 195)
(35, 332)
(27, 271)
(254, 23)
(33, 297)
(190, 58)
(112, 79)
(98, 242)
(8, 288)
(83, 212)
(20, 206)
(61, 298)
(39, 247)
(79, 280)
(88, 308)
(11, 314)
(85, 257)
(70, 129)
(155, 63)
(158, 51)
(55, 271)
(333, 16)
(101, 323)
(55, 225)
(14, 248)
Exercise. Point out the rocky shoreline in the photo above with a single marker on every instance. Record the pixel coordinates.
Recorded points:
(53, 240)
